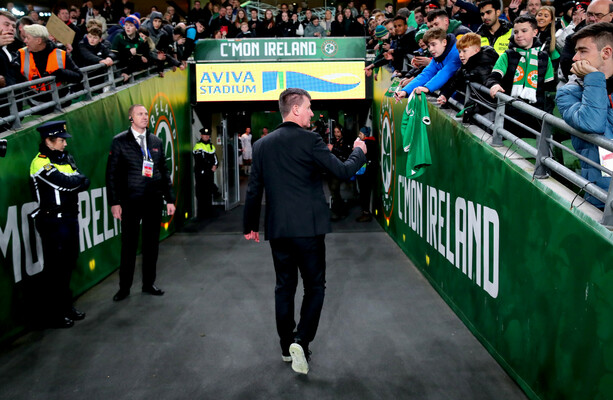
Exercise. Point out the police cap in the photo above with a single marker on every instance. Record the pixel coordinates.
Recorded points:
(53, 129)
(205, 131)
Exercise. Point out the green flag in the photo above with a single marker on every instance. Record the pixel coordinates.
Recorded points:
(415, 135)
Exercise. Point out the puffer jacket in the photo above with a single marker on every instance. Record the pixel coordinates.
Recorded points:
(124, 179)
(586, 106)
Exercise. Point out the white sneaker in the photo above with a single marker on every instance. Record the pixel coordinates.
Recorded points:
(299, 361)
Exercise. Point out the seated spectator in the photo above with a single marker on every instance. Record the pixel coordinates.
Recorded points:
(336, 28)
(245, 32)
(296, 25)
(445, 63)
(41, 58)
(129, 48)
(326, 23)
(314, 29)
(220, 23)
(285, 28)
(524, 55)
(283, 8)
(477, 64)
(268, 28)
(308, 17)
(254, 23)
(585, 102)
(440, 19)
(240, 17)
(494, 31)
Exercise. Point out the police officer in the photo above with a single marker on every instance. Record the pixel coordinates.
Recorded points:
(56, 183)
(205, 165)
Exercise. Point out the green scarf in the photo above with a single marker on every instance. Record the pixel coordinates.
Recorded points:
(526, 75)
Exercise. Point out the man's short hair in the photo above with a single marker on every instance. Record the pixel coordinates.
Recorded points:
(315, 17)
(93, 22)
(526, 18)
(400, 18)
(434, 34)
(436, 13)
(494, 3)
(388, 4)
(24, 21)
(132, 107)
(601, 33)
(467, 40)
(291, 97)
(94, 31)
(179, 30)
(37, 31)
(8, 15)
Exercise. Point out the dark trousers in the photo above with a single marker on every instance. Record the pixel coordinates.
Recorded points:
(60, 240)
(149, 211)
(366, 183)
(204, 192)
(307, 255)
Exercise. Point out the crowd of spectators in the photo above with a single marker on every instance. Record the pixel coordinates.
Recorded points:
(525, 50)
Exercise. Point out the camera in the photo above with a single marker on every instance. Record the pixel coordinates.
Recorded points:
(3, 146)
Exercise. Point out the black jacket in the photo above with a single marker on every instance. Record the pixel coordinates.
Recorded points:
(91, 55)
(124, 179)
(287, 164)
(477, 69)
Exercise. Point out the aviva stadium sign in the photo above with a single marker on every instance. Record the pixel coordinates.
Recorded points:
(260, 69)
(280, 49)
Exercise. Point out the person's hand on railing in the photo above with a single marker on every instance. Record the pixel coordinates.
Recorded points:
(495, 89)
(107, 61)
(582, 68)
(441, 100)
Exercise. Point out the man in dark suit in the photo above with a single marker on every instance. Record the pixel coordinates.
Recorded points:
(287, 164)
(137, 181)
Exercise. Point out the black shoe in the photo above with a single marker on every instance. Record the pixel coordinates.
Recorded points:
(153, 290)
(61, 322)
(122, 294)
(75, 314)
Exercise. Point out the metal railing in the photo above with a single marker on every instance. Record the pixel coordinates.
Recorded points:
(23, 101)
(545, 163)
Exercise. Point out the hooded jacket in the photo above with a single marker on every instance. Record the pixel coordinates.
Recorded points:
(440, 69)
(456, 28)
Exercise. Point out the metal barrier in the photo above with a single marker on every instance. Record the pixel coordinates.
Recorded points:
(543, 152)
(23, 101)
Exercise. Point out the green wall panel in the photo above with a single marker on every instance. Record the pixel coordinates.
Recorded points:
(93, 126)
(529, 276)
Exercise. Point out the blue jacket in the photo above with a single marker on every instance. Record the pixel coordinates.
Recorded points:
(586, 106)
(439, 71)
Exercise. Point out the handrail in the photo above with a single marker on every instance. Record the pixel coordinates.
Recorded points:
(544, 161)
(20, 95)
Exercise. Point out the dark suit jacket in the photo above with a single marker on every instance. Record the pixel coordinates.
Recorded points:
(287, 164)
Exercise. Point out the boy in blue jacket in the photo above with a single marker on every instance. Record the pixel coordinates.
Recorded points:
(445, 62)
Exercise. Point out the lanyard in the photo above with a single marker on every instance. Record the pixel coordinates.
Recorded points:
(611, 101)
(145, 155)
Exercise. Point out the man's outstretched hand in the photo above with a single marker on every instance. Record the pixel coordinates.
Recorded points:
(253, 236)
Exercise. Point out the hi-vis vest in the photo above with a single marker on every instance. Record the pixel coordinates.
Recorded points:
(55, 61)
(502, 42)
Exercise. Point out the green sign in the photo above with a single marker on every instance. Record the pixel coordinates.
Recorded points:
(279, 49)
(529, 276)
(92, 127)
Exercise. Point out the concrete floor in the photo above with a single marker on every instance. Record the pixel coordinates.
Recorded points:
(384, 332)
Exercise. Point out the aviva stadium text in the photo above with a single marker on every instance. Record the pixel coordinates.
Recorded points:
(227, 82)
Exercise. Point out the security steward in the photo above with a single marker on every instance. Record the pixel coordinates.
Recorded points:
(57, 182)
(205, 165)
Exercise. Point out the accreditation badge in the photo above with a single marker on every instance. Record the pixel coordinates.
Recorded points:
(147, 168)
